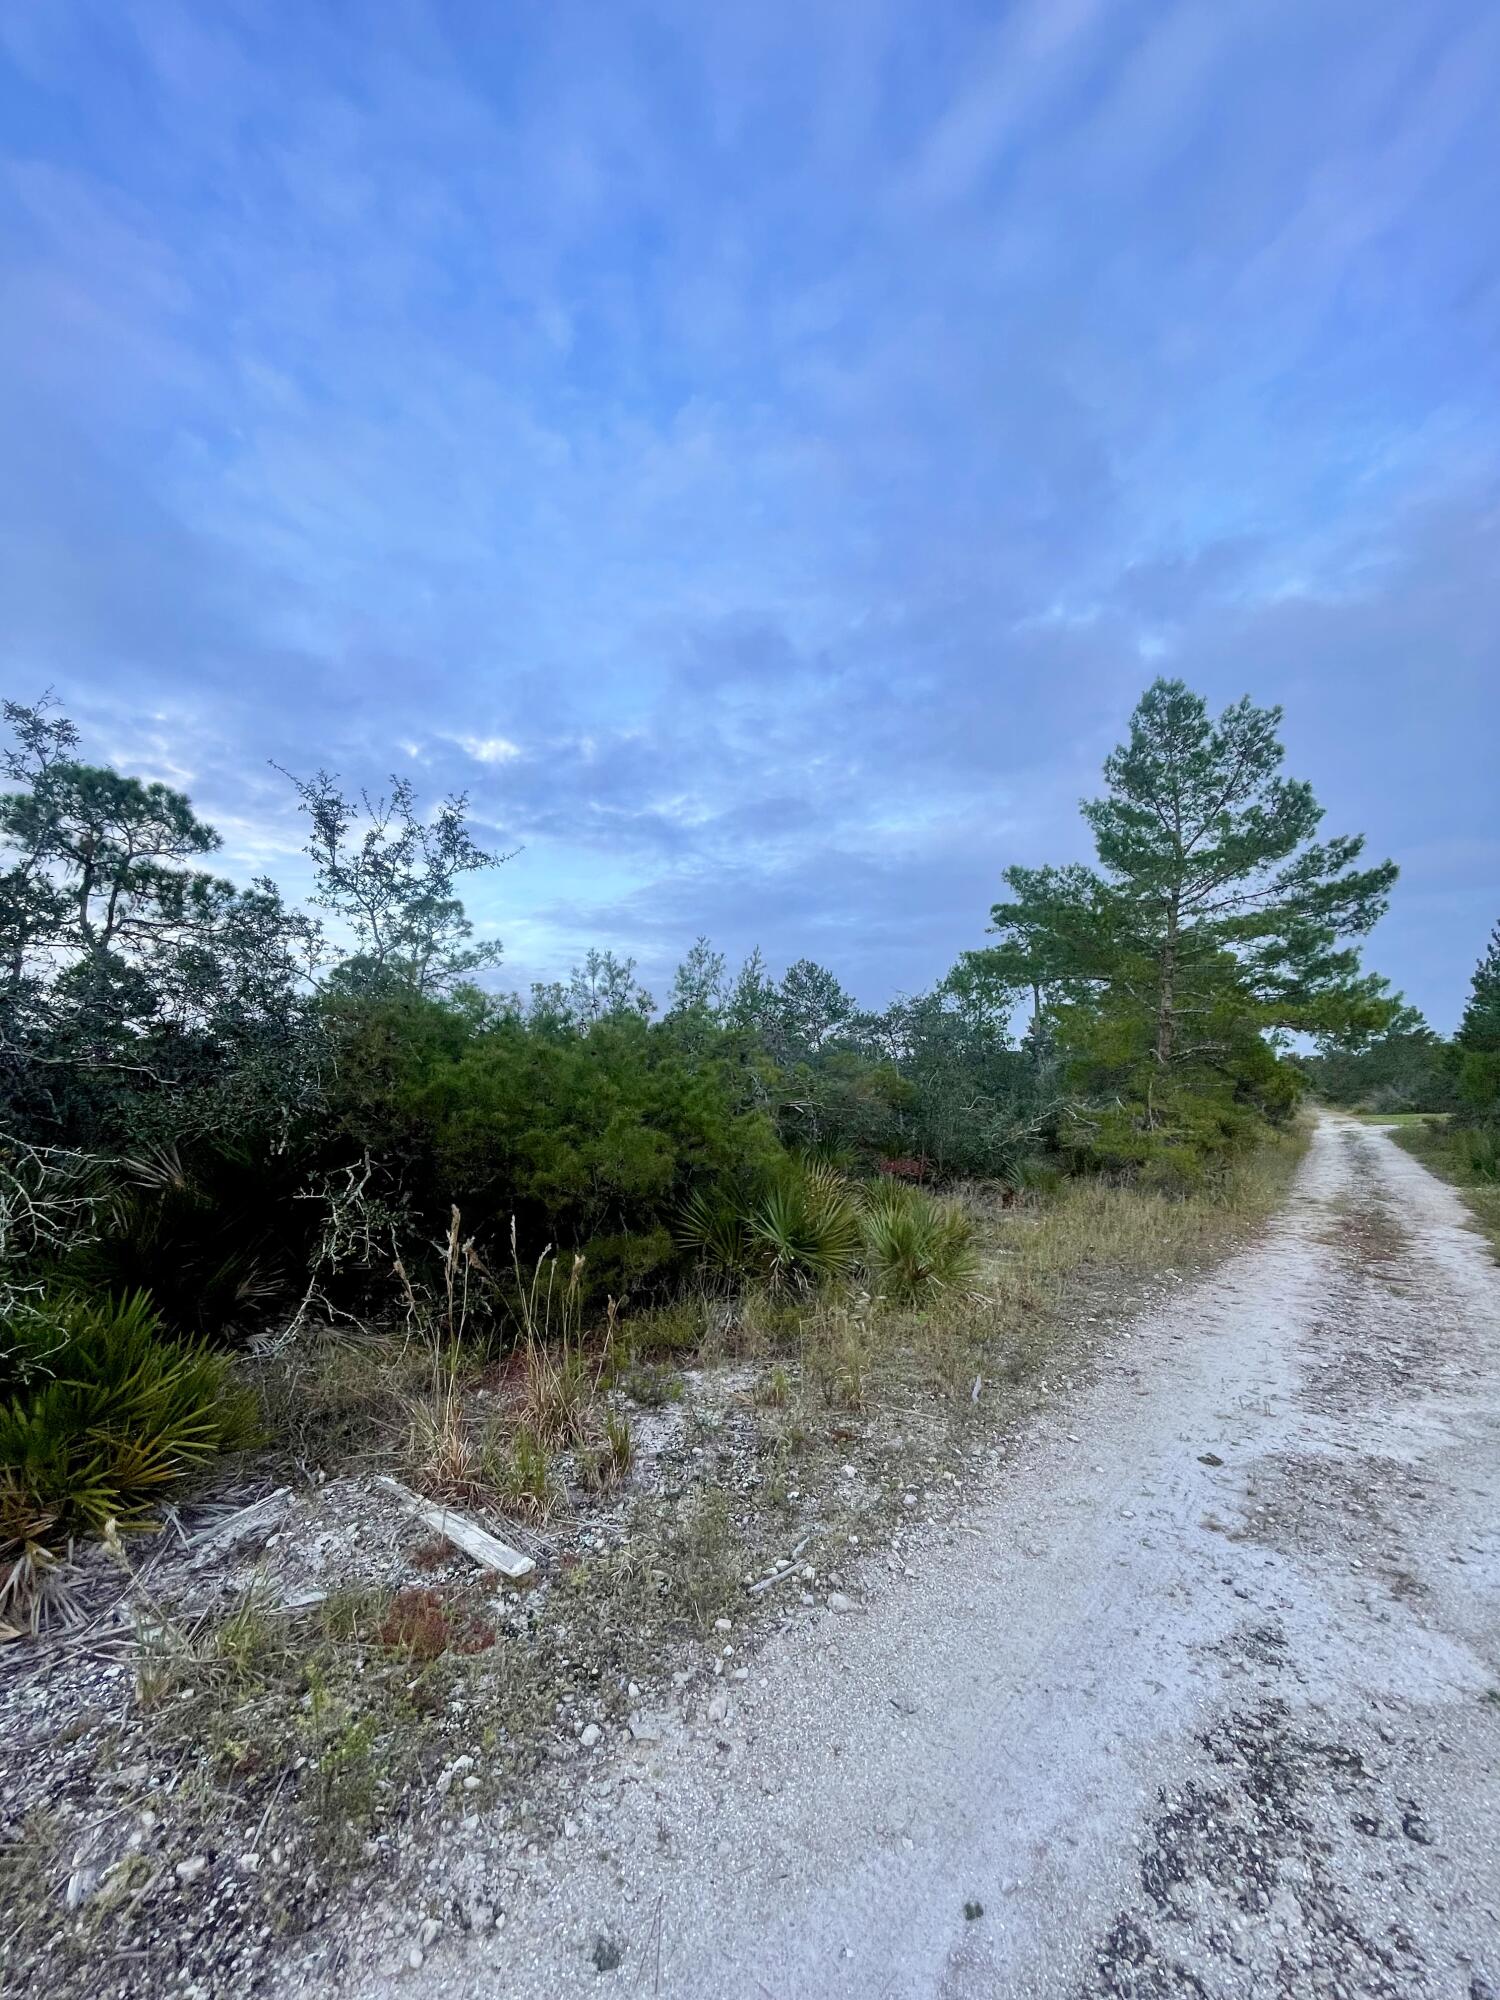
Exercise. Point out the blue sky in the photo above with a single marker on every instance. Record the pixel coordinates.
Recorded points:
(761, 452)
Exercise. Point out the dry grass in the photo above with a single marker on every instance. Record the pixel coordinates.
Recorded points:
(861, 1354)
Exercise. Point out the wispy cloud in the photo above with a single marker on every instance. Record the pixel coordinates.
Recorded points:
(759, 453)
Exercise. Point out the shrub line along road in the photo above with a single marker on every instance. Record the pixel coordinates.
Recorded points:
(1205, 1701)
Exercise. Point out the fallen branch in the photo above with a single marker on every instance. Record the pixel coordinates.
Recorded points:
(244, 1521)
(788, 1568)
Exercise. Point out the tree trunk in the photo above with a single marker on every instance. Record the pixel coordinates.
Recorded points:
(1166, 1018)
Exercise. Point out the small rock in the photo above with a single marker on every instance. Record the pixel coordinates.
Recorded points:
(193, 1869)
(429, 1933)
(837, 1601)
(414, 1958)
(718, 1708)
(722, 1625)
(590, 1735)
(633, 1692)
(471, 1783)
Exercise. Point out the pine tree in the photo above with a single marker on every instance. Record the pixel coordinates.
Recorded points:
(1214, 910)
(1480, 1027)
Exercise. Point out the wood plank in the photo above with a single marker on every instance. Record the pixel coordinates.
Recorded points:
(476, 1542)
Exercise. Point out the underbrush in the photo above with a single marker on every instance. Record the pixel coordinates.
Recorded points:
(102, 1416)
(942, 1300)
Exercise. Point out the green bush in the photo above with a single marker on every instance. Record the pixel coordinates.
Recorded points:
(101, 1414)
(212, 1234)
(1478, 1150)
(805, 1228)
(801, 1230)
(914, 1245)
(590, 1141)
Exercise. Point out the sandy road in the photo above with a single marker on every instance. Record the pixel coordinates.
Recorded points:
(1206, 1701)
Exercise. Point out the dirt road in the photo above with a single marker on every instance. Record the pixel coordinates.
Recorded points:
(1205, 1701)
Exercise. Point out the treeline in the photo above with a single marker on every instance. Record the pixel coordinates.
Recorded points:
(248, 1109)
(1409, 1068)
(209, 1094)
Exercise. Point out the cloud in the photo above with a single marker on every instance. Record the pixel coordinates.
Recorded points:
(760, 455)
(488, 749)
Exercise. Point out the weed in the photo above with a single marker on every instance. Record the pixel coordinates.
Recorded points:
(703, 1557)
(521, 1469)
(837, 1357)
(774, 1389)
(336, 1397)
(608, 1460)
(425, 1625)
(653, 1388)
(442, 1452)
(667, 1333)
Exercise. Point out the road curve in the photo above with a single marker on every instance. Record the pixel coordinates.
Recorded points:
(1206, 1700)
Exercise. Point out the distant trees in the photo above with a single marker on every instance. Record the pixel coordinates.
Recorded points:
(1408, 1068)
(1477, 1042)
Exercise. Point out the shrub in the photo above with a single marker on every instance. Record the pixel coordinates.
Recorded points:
(914, 1245)
(1479, 1151)
(802, 1231)
(586, 1140)
(208, 1236)
(713, 1229)
(101, 1414)
(806, 1228)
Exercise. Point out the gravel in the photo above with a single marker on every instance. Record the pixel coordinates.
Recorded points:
(1185, 1747)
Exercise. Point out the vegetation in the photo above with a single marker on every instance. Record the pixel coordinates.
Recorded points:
(1215, 924)
(1465, 1146)
(305, 1163)
(255, 1120)
(101, 1416)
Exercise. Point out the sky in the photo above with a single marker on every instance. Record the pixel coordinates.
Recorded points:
(760, 453)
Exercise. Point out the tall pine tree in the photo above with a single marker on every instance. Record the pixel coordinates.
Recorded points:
(1215, 911)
